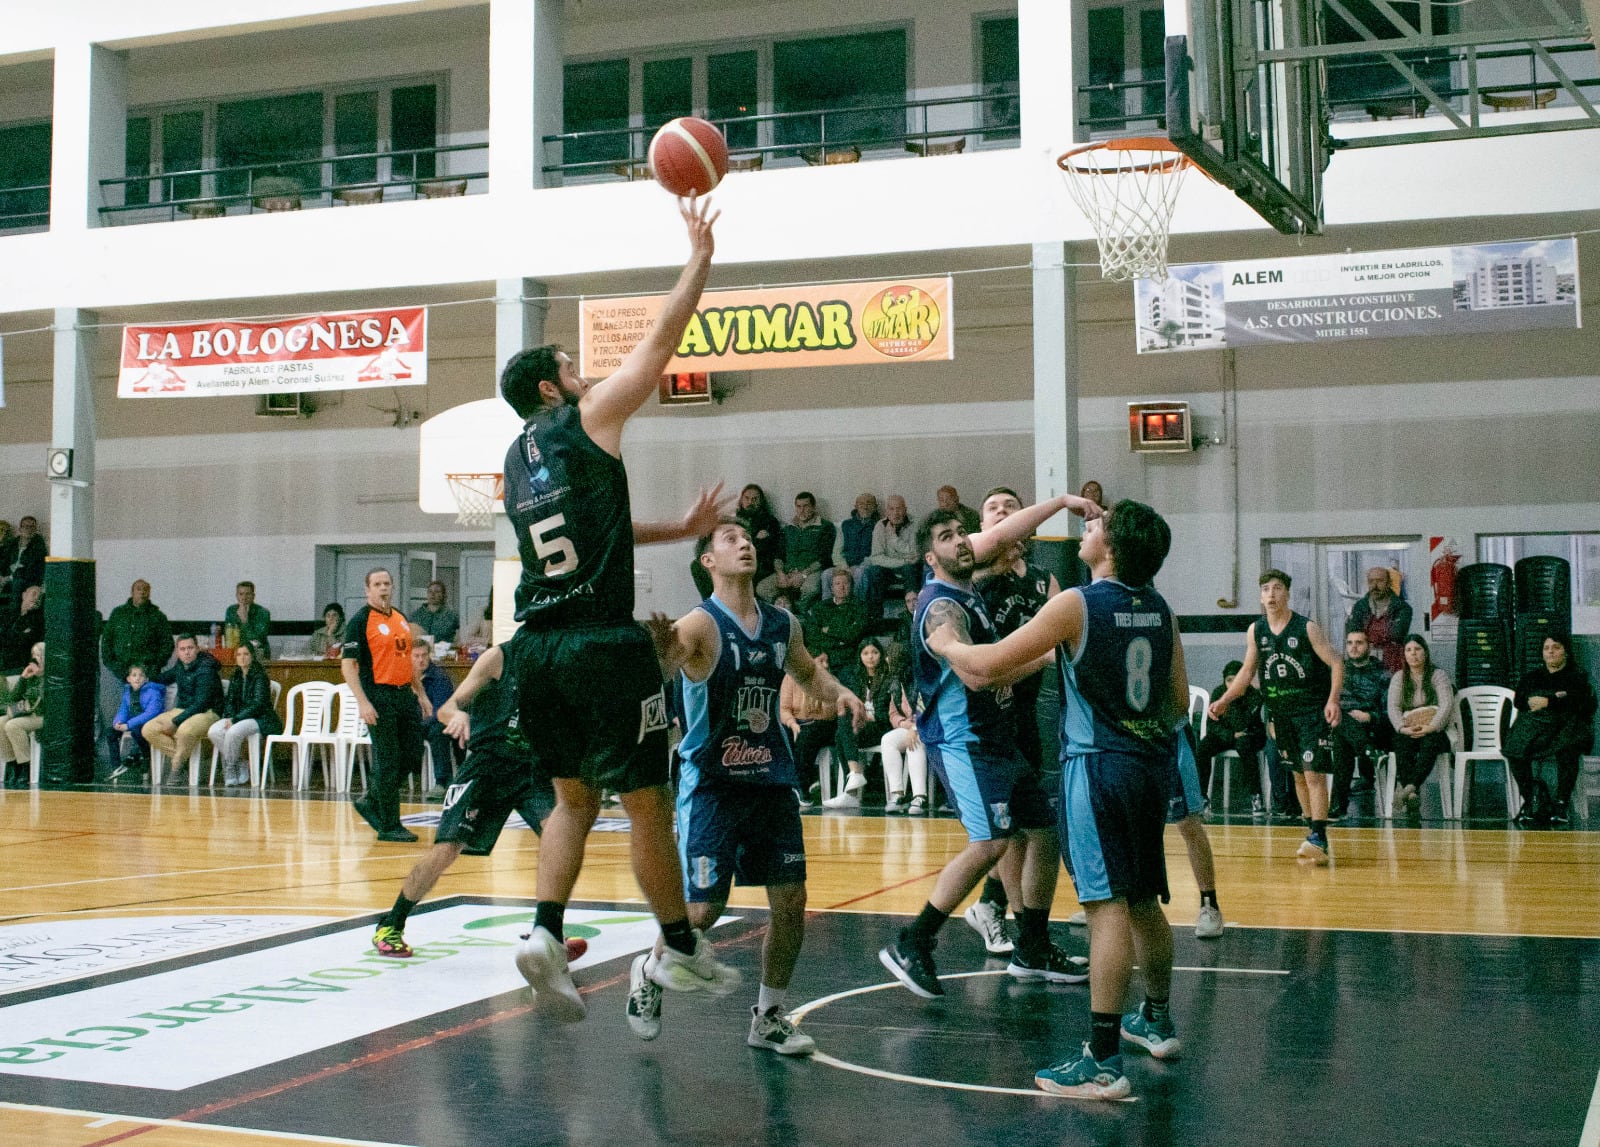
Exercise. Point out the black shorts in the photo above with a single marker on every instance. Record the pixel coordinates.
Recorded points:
(996, 794)
(1113, 825)
(487, 789)
(1305, 742)
(592, 707)
(745, 833)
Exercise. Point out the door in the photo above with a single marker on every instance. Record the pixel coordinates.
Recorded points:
(350, 576)
(476, 585)
(411, 594)
(1330, 575)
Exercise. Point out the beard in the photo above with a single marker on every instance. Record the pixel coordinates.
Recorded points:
(959, 566)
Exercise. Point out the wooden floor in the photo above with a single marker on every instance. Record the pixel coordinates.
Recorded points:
(84, 855)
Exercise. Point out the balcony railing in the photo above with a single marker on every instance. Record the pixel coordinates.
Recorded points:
(942, 126)
(25, 208)
(291, 185)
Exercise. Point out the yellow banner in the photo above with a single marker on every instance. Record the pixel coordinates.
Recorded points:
(897, 320)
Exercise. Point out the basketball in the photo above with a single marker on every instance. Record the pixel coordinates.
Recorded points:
(688, 156)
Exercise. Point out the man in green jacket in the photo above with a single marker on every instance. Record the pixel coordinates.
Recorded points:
(837, 624)
(137, 631)
(247, 621)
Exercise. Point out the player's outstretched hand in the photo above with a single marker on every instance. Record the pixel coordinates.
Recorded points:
(1218, 707)
(851, 704)
(699, 218)
(708, 509)
(1085, 508)
(457, 726)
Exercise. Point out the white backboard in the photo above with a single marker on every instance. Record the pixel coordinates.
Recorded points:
(468, 439)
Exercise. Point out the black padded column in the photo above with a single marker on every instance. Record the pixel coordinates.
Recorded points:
(71, 673)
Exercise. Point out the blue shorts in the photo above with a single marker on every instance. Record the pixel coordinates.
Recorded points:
(1184, 798)
(749, 833)
(1113, 819)
(995, 794)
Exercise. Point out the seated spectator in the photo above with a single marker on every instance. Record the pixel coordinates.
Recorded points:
(1093, 491)
(1555, 721)
(807, 548)
(836, 625)
(23, 632)
(1420, 700)
(766, 532)
(811, 725)
(437, 687)
(177, 731)
(785, 601)
(327, 639)
(438, 620)
(1383, 617)
(852, 542)
(245, 621)
(136, 631)
(948, 499)
(870, 679)
(893, 563)
(142, 701)
(908, 637)
(481, 635)
(905, 758)
(20, 714)
(1239, 730)
(21, 562)
(247, 711)
(1363, 727)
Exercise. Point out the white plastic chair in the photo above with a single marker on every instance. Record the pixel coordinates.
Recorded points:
(1485, 705)
(1199, 705)
(252, 747)
(350, 735)
(306, 715)
(1588, 787)
(35, 759)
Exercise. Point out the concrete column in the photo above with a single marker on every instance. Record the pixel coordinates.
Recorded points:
(519, 318)
(525, 65)
(72, 426)
(89, 126)
(1055, 382)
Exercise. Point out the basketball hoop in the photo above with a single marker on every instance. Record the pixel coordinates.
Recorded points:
(1127, 188)
(475, 496)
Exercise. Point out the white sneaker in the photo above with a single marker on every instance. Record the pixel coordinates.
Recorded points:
(542, 960)
(855, 782)
(894, 803)
(1078, 917)
(698, 973)
(843, 800)
(644, 1000)
(774, 1031)
(918, 806)
(989, 924)
(1208, 925)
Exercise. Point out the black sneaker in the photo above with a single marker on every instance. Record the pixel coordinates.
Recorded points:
(1049, 963)
(397, 836)
(364, 811)
(1558, 813)
(913, 967)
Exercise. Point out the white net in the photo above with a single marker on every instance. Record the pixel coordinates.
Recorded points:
(475, 496)
(1127, 188)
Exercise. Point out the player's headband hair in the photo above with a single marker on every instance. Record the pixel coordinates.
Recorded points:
(932, 522)
(524, 371)
(1277, 576)
(1231, 669)
(1002, 490)
(703, 544)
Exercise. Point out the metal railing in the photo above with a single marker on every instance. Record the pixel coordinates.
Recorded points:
(828, 135)
(25, 208)
(359, 177)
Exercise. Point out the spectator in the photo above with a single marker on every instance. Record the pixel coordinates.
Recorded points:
(136, 631)
(766, 532)
(949, 499)
(23, 631)
(785, 601)
(1239, 730)
(870, 679)
(142, 702)
(1420, 700)
(247, 711)
(836, 626)
(22, 561)
(1557, 707)
(892, 564)
(908, 638)
(438, 620)
(1364, 728)
(325, 642)
(19, 712)
(437, 687)
(376, 664)
(245, 621)
(177, 731)
(1093, 491)
(1384, 618)
(811, 725)
(481, 635)
(905, 758)
(852, 543)
(807, 547)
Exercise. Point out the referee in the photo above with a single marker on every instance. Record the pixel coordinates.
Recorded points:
(376, 663)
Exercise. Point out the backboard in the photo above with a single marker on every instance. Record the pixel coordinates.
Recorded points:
(1249, 111)
(468, 439)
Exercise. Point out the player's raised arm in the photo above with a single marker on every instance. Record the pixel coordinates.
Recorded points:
(1011, 659)
(452, 713)
(1018, 527)
(698, 521)
(817, 682)
(609, 403)
(1241, 680)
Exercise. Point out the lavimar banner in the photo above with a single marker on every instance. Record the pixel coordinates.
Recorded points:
(897, 320)
(1484, 289)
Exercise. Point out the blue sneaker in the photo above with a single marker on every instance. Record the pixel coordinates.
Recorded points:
(1315, 849)
(1086, 1078)
(1158, 1037)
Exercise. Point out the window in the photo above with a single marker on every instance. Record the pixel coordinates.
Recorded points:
(183, 148)
(732, 91)
(355, 132)
(1001, 75)
(668, 90)
(1582, 552)
(1365, 79)
(269, 135)
(25, 163)
(1127, 45)
(413, 126)
(861, 70)
(595, 98)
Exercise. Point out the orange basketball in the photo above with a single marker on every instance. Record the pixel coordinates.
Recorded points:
(688, 156)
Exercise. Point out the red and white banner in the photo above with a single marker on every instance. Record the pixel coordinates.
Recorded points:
(347, 350)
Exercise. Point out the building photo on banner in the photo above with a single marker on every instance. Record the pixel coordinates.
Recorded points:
(615, 657)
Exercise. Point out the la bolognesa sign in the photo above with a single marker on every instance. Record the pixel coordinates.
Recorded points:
(347, 350)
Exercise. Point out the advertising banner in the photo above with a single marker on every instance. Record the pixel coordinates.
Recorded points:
(903, 320)
(1484, 289)
(348, 350)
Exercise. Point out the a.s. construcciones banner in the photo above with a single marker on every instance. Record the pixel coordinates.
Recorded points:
(1483, 289)
(348, 350)
(904, 320)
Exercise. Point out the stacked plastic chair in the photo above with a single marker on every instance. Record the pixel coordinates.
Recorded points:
(1485, 605)
(1544, 607)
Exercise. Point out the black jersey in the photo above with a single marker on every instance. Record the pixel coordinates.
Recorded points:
(568, 501)
(495, 716)
(1293, 678)
(1013, 599)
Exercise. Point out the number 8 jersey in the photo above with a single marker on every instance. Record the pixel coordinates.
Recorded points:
(1114, 690)
(568, 501)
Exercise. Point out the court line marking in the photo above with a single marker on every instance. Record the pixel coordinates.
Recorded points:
(102, 1119)
(1590, 1135)
(409, 858)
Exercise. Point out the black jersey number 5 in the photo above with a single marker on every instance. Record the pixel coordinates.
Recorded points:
(563, 558)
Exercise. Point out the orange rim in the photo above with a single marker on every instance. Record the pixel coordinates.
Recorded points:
(1154, 143)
